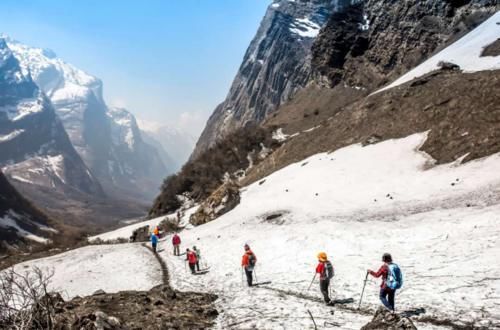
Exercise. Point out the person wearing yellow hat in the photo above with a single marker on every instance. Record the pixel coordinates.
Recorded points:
(326, 273)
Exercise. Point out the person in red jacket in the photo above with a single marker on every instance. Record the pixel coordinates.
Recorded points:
(192, 260)
(248, 262)
(386, 294)
(176, 241)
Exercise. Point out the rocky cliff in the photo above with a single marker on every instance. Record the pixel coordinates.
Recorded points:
(275, 66)
(369, 43)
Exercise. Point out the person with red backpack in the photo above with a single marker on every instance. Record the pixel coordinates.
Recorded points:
(392, 280)
(176, 242)
(248, 262)
(192, 260)
(326, 273)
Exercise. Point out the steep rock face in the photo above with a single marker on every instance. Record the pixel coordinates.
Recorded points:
(138, 159)
(20, 222)
(371, 42)
(34, 147)
(276, 65)
(93, 128)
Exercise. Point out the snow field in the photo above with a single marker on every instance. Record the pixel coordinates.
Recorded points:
(111, 268)
(447, 251)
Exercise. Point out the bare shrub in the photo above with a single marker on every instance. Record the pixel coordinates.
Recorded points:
(25, 301)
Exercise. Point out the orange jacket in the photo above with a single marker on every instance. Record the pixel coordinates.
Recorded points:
(156, 231)
(245, 260)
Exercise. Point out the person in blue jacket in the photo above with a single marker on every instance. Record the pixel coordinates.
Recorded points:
(154, 242)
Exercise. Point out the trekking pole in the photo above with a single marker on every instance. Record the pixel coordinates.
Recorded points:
(242, 280)
(363, 291)
(310, 285)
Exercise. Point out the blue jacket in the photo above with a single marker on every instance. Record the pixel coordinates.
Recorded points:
(154, 239)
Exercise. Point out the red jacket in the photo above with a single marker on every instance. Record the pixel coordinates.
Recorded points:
(245, 260)
(176, 240)
(191, 257)
(384, 272)
(320, 269)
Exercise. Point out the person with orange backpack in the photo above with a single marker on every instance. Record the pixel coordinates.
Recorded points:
(192, 260)
(326, 273)
(248, 262)
(392, 280)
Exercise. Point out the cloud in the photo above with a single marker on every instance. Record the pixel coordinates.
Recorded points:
(191, 122)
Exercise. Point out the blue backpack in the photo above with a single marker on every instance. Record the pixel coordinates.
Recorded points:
(394, 278)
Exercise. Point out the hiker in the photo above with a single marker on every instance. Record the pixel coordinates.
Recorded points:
(176, 241)
(156, 231)
(326, 273)
(154, 242)
(248, 262)
(392, 280)
(198, 257)
(192, 260)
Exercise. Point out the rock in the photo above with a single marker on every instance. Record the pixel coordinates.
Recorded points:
(372, 140)
(443, 65)
(99, 293)
(386, 320)
(221, 201)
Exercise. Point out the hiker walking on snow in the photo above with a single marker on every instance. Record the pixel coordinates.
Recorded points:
(154, 242)
(248, 262)
(196, 251)
(392, 280)
(192, 260)
(326, 273)
(176, 242)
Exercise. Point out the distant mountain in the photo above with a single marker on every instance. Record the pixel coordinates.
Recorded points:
(107, 139)
(34, 147)
(21, 224)
(177, 145)
(276, 65)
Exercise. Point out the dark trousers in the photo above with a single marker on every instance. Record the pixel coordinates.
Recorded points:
(176, 250)
(191, 266)
(198, 266)
(154, 247)
(387, 298)
(249, 274)
(323, 286)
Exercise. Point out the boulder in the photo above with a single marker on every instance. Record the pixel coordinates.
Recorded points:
(221, 201)
(386, 320)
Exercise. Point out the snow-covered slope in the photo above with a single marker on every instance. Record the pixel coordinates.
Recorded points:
(439, 222)
(111, 268)
(20, 222)
(107, 139)
(466, 53)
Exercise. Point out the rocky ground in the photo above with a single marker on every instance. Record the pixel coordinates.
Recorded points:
(159, 308)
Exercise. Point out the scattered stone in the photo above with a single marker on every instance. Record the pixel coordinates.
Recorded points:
(262, 182)
(443, 65)
(373, 139)
(386, 320)
(99, 293)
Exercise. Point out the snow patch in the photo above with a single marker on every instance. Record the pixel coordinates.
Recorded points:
(111, 268)
(304, 27)
(12, 135)
(9, 221)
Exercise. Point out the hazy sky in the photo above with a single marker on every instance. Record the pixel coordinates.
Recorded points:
(165, 60)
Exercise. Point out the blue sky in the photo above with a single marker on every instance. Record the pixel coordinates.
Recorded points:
(165, 60)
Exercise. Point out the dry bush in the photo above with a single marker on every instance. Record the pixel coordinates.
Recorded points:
(25, 301)
(203, 175)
